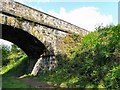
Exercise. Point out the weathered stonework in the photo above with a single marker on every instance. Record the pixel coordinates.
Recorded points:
(46, 28)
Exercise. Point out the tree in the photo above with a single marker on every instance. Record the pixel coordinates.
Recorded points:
(5, 49)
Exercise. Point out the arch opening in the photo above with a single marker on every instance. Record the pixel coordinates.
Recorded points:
(14, 60)
(28, 43)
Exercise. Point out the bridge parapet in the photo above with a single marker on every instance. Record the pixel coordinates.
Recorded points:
(23, 11)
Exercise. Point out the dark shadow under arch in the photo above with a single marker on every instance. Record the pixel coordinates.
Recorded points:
(28, 43)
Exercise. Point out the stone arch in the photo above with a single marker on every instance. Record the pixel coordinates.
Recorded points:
(36, 51)
(28, 43)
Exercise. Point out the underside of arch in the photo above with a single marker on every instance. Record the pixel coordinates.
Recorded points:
(28, 43)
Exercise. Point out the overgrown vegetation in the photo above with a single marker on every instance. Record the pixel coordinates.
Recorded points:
(94, 63)
(69, 42)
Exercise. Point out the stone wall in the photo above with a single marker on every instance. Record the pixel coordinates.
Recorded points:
(34, 15)
(46, 28)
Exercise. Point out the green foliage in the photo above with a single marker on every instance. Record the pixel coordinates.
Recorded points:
(15, 58)
(94, 63)
(68, 43)
(16, 66)
(96, 57)
(76, 37)
(112, 78)
(11, 55)
(5, 50)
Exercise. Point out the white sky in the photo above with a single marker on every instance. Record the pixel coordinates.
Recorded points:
(2, 42)
(85, 17)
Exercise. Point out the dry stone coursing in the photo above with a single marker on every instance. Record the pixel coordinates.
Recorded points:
(38, 16)
(46, 28)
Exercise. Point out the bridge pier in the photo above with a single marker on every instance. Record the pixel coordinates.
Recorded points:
(44, 63)
(31, 64)
(37, 67)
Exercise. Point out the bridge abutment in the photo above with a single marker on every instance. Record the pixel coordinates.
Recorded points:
(35, 31)
(44, 63)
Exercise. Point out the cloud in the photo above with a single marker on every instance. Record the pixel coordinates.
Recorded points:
(4, 42)
(85, 17)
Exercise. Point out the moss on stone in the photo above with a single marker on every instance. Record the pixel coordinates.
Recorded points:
(9, 20)
(20, 18)
(69, 42)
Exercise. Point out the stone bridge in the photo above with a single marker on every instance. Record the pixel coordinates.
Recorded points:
(36, 33)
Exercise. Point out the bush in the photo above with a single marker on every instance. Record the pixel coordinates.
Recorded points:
(5, 53)
(94, 63)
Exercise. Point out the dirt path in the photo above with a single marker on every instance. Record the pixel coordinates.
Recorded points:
(35, 83)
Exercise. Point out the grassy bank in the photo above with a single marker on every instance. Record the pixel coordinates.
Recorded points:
(12, 71)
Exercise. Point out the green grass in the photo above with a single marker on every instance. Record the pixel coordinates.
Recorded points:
(10, 82)
(11, 72)
(10, 66)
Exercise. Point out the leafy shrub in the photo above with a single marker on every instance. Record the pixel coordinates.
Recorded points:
(94, 63)
(5, 53)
